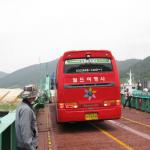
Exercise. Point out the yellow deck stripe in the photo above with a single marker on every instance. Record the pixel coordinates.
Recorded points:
(48, 134)
(146, 125)
(112, 137)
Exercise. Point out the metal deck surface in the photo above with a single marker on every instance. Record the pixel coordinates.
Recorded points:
(43, 122)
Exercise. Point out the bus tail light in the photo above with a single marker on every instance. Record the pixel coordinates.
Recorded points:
(111, 102)
(67, 105)
(118, 102)
(71, 105)
(61, 105)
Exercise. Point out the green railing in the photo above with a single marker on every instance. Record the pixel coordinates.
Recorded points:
(45, 95)
(7, 132)
(7, 123)
(142, 94)
(138, 101)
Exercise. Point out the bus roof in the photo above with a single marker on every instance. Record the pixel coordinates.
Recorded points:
(87, 53)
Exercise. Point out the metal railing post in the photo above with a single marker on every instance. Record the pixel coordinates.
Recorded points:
(7, 132)
(6, 139)
(13, 137)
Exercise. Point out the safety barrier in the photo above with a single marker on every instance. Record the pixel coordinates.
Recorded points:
(7, 132)
(45, 94)
(7, 123)
(138, 101)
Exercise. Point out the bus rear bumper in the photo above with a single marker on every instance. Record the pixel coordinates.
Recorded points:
(64, 115)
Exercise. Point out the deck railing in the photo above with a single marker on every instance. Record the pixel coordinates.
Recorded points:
(7, 132)
(138, 101)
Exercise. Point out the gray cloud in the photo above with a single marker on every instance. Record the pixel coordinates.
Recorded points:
(45, 28)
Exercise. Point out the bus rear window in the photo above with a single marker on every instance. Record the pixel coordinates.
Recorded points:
(89, 65)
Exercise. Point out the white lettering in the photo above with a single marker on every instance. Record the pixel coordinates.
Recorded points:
(75, 80)
(95, 79)
(102, 78)
(81, 79)
(89, 79)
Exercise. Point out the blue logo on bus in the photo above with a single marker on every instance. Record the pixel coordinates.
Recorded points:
(90, 93)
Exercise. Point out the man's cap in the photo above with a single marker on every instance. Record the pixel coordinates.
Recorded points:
(28, 94)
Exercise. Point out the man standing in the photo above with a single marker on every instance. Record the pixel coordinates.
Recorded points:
(25, 124)
(128, 98)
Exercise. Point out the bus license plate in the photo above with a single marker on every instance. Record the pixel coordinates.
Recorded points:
(91, 116)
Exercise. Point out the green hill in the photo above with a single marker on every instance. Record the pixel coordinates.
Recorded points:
(33, 74)
(2, 74)
(126, 64)
(140, 70)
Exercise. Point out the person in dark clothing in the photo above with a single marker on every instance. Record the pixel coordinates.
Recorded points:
(25, 124)
(128, 98)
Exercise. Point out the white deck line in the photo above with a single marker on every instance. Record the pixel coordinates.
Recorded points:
(146, 136)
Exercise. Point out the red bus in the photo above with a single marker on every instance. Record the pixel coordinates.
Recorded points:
(87, 86)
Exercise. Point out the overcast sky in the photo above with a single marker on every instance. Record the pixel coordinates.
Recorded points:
(33, 29)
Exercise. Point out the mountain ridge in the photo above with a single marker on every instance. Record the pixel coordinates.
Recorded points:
(27, 75)
(34, 73)
(2, 74)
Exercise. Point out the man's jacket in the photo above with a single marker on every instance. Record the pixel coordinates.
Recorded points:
(26, 127)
